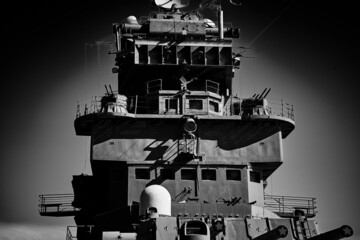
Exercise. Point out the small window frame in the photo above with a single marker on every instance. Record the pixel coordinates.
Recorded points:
(142, 174)
(208, 174)
(233, 174)
(194, 104)
(188, 174)
(214, 106)
(254, 176)
(167, 174)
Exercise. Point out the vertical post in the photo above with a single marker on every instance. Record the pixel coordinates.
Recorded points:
(118, 40)
(197, 184)
(68, 234)
(78, 110)
(221, 23)
(183, 100)
(177, 105)
(282, 107)
(136, 103)
(94, 104)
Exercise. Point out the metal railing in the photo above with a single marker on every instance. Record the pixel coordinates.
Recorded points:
(56, 205)
(150, 105)
(72, 231)
(287, 205)
(212, 86)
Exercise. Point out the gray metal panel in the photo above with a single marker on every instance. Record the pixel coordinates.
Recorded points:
(256, 227)
(235, 228)
(166, 228)
(274, 223)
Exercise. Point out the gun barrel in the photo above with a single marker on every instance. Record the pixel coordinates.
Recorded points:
(338, 233)
(267, 93)
(277, 233)
(111, 89)
(262, 93)
(106, 90)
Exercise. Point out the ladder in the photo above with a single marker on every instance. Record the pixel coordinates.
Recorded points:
(302, 228)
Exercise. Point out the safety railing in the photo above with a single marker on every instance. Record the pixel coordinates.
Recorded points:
(212, 86)
(56, 205)
(150, 105)
(72, 232)
(285, 206)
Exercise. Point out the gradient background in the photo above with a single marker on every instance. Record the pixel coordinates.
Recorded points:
(309, 57)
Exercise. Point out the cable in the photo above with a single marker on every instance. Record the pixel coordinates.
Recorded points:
(271, 23)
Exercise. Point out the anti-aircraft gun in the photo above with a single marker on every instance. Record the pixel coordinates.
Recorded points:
(256, 105)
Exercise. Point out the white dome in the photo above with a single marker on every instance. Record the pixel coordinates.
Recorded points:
(155, 196)
(131, 20)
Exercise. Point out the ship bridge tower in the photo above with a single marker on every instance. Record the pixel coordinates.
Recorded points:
(173, 152)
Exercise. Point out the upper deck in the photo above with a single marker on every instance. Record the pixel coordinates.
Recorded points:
(172, 45)
(170, 105)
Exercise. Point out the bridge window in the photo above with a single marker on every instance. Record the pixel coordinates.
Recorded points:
(171, 104)
(196, 104)
(233, 174)
(142, 173)
(214, 106)
(208, 174)
(167, 174)
(254, 177)
(188, 174)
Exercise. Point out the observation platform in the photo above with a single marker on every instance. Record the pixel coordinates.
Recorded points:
(60, 205)
(204, 106)
(57, 205)
(285, 206)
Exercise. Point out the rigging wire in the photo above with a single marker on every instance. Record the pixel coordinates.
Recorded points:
(271, 23)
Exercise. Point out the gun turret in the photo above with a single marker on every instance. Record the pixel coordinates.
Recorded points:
(339, 233)
(277, 233)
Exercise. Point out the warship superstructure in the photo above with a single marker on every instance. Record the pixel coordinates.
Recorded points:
(175, 154)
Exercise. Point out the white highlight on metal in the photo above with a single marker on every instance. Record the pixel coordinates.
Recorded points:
(209, 23)
(118, 235)
(155, 196)
(131, 20)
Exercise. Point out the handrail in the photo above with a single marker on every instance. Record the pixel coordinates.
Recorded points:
(287, 205)
(150, 105)
(71, 231)
(212, 86)
(56, 204)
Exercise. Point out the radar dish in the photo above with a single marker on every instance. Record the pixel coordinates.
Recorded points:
(168, 4)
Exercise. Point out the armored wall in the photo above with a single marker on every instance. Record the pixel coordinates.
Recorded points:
(147, 142)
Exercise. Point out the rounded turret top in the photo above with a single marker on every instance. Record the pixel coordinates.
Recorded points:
(131, 20)
(155, 197)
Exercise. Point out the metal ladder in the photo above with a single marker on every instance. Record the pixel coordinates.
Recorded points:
(302, 228)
